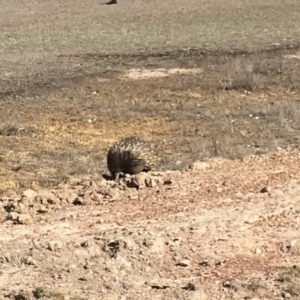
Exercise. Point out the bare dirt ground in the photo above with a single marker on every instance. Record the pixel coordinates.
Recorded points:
(214, 86)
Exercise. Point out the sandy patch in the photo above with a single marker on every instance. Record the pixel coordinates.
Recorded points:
(138, 74)
(296, 55)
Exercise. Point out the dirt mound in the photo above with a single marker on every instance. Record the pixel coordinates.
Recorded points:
(220, 228)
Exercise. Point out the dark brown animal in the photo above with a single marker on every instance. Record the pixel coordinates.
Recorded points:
(131, 155)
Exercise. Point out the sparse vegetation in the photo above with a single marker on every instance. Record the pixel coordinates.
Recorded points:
(255, 72)
(290, 278)
(64, 102)
(186, 116)
(244, 76)
(13, 129)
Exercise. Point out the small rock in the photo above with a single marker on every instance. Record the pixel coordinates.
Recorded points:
(151, 182)
(79, 201)
(127, 285)
(75, 181)
(286, 295)
(54, 245)
(67, 195)
(133, 197)
(159, 286)
(82, 279)
(265, 190)
(47, 197)
(25, 219)
(102, 182)
(189, 287)
(88, 199)
(257, 251)
(72, 266)
(199, 165)
(23, 209)
(211, 262)
(103, 190)
(114, 194)
(175, 242)
(30, 194)
(232, 284)
(22, 219)
(183, 263)
(29, 261)
(16, 168)
(80, 190)
(110, 194)
(113, 247)
(293, 243)
(64, 186)
(42, 210)
(87, 244)
(147, 242)
(92, 120)
(96, 197)
(158, 245)
(292, 246)
(139, 180)
(167, 182)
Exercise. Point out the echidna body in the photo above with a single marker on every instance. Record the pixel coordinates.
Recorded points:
(131, 155)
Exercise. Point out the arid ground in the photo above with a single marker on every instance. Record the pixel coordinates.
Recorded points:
(213, 85)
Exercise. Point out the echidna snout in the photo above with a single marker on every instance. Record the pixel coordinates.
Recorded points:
(131, 155)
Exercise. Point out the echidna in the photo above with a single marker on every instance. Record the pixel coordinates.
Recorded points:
(131, 155)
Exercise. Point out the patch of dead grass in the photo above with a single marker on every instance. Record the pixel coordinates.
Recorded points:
(243, 76)
(59, 151)
(103, 132)
(250, 74)
(14, 129)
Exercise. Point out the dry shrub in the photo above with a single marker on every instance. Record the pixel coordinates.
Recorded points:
(254, 72)
(243, 75)
(13, 129)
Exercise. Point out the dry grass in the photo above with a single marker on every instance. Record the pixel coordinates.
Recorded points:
(62, 86)
(15, 129)
(184, 125)
(87, 31)
(80, 25)
(256, 72)
(244, 76)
